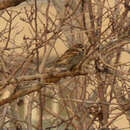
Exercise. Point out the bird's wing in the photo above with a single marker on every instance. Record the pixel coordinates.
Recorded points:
(64, 58)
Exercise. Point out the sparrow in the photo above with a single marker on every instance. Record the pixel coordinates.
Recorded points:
(71, 58)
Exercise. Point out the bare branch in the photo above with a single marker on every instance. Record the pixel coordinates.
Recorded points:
(9, 3)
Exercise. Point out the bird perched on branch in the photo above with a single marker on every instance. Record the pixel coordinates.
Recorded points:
(71, 58)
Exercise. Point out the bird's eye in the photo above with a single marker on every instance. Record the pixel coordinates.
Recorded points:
(80, 45)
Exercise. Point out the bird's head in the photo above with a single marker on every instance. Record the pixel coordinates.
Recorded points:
(79, 47)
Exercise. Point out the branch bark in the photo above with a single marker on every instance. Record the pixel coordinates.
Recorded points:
(49, 78)
(9, 3)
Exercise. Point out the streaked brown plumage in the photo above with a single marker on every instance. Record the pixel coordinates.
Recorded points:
(71, 58)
